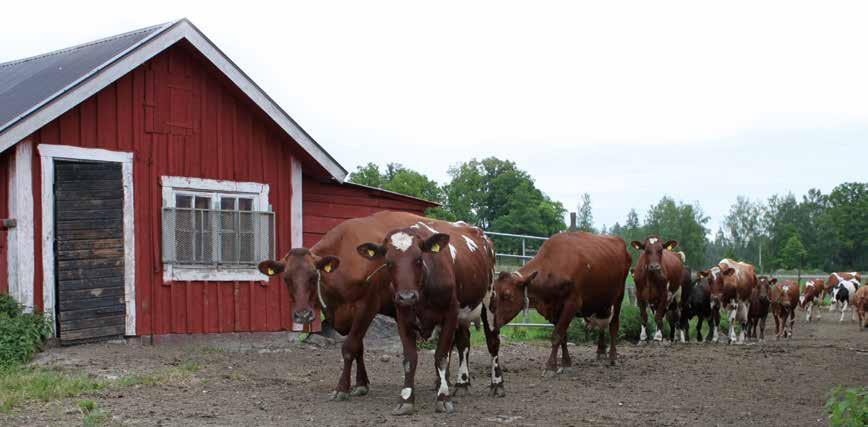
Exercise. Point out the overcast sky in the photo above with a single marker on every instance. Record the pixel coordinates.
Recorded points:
(627, 102)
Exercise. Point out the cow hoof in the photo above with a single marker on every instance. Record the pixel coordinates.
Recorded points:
(601, 356)
(567, 370)
(442, 406)
(404, 408)
(462, 387)
(359, 390)
(549, 373)
(339, 396)
(496, 390)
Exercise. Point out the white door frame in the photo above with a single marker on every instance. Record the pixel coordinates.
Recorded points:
(48, 154)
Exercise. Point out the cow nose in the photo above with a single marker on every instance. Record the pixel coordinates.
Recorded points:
(407, 297)
(303, 316)
(654, 267)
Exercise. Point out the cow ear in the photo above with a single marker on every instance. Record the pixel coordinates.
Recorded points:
(529, 279)
(728, 272)
(435, 243)
(271, 267)
(328, 263)
(773, 281)
(371, 250)
(703, 273)
(670, 245)
(637, 245)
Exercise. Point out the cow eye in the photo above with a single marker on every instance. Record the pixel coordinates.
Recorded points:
(419, 261)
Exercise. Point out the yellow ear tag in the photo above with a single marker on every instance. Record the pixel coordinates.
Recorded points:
(435, 248)
(271, 272)
(327, 268)
(370, 252)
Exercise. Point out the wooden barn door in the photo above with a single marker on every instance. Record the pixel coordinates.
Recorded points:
(89, 250)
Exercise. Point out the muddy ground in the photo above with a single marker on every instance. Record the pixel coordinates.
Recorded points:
(775, 383)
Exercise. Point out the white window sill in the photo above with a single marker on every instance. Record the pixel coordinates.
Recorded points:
(193, 274)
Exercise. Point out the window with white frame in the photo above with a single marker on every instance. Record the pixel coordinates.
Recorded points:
(212, 226)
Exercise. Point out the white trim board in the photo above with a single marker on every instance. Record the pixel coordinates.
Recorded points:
(138, 54)
(21, 241)
(259, 191)
(296, 231)
(48, 153)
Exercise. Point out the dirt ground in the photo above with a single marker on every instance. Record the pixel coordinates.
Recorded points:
(775, 383)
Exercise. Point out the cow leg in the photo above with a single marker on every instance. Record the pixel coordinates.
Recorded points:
(792, 320)
(361, 387)
(492, 341)
(462, 344)
(614, 325)
(658, 319)
(715, 326)
(643, 316)
(843, 309)
(809, 312)
(732, 316)
(558, 336)
(699, 320)
(444, 347)
(601, 346)
(352, 350)
(817, 304)
(406, 404)
(762, 328)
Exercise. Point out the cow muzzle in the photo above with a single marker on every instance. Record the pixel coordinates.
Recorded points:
(654, 268)
(406, 298)
(303, 316)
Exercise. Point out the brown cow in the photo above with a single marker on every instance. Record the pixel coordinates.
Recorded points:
(812, 298)
(658, 277)
(708, 279)
(837, 278)
(436, 283)
(574, 274)
(785, 298)
(331, 277)
(860, 305)
(759, 308)
(731, 290)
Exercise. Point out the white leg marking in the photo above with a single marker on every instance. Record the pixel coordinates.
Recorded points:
(406, 392)
(444, 387)
(644, 335)
(463, 372)
(681, 332)
(495, 379)
(658, 336)
(714, 333)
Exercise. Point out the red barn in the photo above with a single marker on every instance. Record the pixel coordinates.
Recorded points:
(143, 176)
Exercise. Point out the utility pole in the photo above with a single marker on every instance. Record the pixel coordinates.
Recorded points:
(572, 221)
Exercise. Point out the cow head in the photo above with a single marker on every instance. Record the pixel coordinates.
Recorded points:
(509, 291)
(712, 278)
(764, 288)
(652, 251)
(302, 271)
(409, 259)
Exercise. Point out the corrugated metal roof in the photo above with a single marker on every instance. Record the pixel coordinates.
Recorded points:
(26, 84)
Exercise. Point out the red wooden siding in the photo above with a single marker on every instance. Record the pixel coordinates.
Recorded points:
(325, 205)
(6, 160)
(180, 117)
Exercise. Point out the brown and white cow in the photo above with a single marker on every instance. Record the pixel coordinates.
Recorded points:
(574, 274)
(860, 305)
(836, 279)
(439, 275)
(331, 277)
(658, 278)
(760, 300)
(784, 298)
(731, 290)
(812, 298)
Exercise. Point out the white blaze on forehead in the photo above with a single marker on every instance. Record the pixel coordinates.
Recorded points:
(453, 251)
(652, 240)
(401, 241)
(470, 243)
(406, 392)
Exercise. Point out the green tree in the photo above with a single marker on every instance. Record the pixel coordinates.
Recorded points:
(793, 253)
(683, 222)
(368, 174)
(585, 216)
(744, 229)
(848, 217)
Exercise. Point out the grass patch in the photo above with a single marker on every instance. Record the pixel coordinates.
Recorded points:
(20, 384)
(91, 415)
(848, 407)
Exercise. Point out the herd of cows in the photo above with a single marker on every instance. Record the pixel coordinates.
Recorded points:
(436, 278)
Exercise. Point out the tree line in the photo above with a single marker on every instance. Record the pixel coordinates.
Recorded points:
(820, 231)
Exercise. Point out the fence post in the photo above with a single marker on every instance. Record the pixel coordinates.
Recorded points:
(572, 221)
(523, 252)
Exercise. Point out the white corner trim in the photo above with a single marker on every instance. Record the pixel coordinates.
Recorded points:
(21, 238)
(170, 184)
(48, 153)
(296, 231)
(142, 52)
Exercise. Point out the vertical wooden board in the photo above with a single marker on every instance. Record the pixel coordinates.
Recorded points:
(227, 306)
(226, 138)
(195, 314)
(36, 168)
(179, 307)
(70, 131)
(107, 118)
(124, 113)
(5, 162)
(144, 189)
(88, 123)
(49, 134)
(211, 307)
(209, 126)
(164, 301)
(243, 319)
